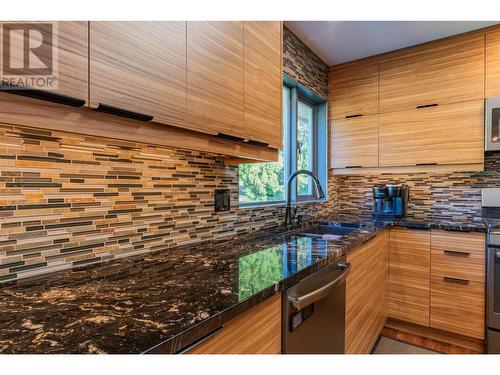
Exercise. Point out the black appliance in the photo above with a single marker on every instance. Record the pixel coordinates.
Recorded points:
(390, 201)
(314, 312)
(491, 216)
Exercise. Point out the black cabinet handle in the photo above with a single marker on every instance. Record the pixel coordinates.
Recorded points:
(427, 105)
(351, 116)
(200, 341)
(49, 97)
(230, 137)
(257, 143)
(423, 164)
(455, 280)
(456, 253)
(353, 166)
(123, 112)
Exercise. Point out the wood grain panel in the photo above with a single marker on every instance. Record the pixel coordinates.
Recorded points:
(353, 89)
(140, 67)
(458, 308)
(215, 77)
(263, 82)
(257, 331)
(72, 59)
(459, 255)
(409, 273)
(493, 64)
(431, 338)
(441, 72)
(366, 294)
(449, 134)
(19, 110)
(354, 142)
(444, 168)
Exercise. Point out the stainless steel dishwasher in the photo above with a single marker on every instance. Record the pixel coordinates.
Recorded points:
(313, 319)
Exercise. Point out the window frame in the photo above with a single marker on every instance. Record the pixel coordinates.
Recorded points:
(313, 148)
(298, 93)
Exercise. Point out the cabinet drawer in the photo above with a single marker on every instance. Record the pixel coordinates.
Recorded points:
(458, 255)
(457, 306)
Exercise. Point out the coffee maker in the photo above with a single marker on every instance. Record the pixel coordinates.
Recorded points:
(390, 201)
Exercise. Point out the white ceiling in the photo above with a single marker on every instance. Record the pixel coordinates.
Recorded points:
(341, 41)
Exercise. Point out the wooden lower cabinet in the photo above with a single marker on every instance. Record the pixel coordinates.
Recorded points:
(457, 306)
(409, 274)
(436, 280)
(457, 282)
(366, 294)
(257, 331)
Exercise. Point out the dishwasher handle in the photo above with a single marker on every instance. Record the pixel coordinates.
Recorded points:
(299, 302)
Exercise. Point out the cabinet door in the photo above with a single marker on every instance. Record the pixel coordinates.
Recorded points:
(257, 331)
(457, 306)
(353, 89)
(140, 67)
(366, 294)
(72, 57)
(215, 77)
(442, 72)
(262, 82)
(355, 142)
(409, 275)
(493, 64)
(449, 134)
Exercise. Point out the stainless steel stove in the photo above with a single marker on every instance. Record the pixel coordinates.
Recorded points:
(491, 217)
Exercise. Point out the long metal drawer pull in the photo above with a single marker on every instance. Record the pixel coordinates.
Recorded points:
(351, 116)
(427, 105)
(353, 166)
(455, 280)
(299, 302)
(123, 112)
(456, 253)
(497, 254)
(424, 164)
(200, 341)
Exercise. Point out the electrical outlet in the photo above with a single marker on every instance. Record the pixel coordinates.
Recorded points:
(222, 200)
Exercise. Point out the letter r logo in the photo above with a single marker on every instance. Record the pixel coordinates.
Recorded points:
(27, 49)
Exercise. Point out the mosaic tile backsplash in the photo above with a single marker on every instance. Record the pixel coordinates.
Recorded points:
(69, 200)
(455, 196)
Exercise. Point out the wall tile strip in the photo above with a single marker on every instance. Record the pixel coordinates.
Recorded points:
(301, 64)
(454, 196)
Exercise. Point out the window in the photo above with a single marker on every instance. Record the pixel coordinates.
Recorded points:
(304, 139)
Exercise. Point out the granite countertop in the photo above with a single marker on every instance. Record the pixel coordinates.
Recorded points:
(164, 301)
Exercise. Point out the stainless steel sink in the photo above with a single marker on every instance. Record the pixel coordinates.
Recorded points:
(329, 231)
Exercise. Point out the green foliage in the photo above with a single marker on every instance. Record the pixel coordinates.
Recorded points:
(262, 182)
(259, 270)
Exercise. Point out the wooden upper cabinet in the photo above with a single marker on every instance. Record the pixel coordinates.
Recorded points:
(354, 142)
(140, 67)
(449, 134)
(442, 72)
(353, 89)
(493, 64)
(263, 82)
(409, 275)
(215, 77)
(72, 57)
